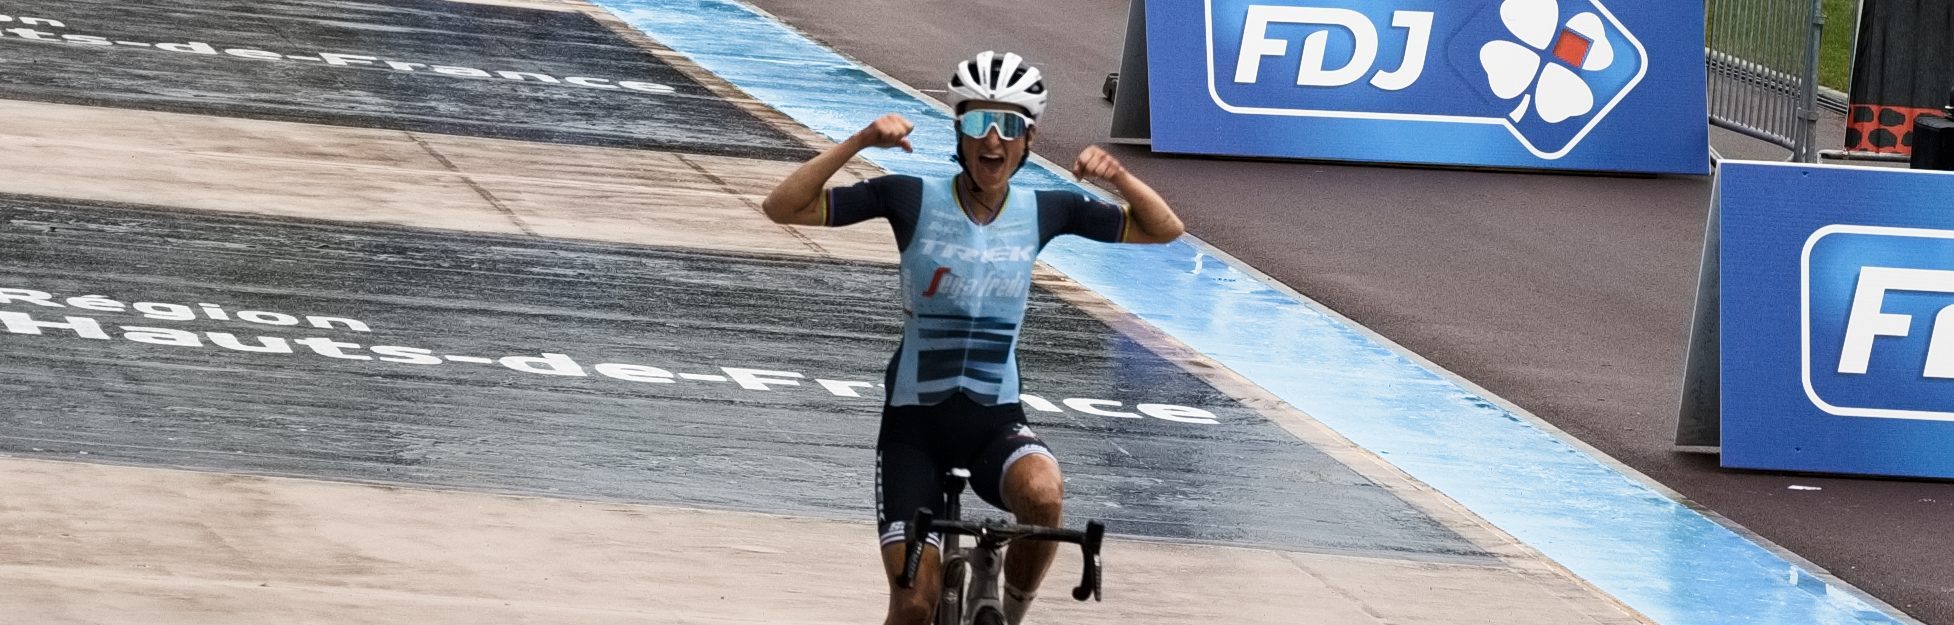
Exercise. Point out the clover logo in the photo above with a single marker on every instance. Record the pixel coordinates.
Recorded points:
(1540, 68)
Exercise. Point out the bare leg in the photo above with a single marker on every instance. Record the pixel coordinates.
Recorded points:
(914, 605)
(1036, 493)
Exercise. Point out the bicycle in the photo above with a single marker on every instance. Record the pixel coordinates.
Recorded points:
(979, 602)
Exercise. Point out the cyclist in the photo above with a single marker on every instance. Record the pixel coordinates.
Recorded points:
(968, 244)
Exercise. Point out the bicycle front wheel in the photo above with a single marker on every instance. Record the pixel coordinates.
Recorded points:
(988, 616)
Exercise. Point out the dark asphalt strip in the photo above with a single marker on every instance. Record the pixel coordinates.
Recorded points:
(416, 65)
(423, 389)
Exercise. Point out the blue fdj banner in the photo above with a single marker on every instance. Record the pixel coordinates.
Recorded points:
(1837, 319)
(1555, 84)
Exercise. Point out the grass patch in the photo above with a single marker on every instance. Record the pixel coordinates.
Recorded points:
(1768, 32)
(1835, 49)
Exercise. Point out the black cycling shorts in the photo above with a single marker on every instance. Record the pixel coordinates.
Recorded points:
(919, 444)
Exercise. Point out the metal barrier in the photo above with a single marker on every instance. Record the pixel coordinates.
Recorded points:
(1763, 65)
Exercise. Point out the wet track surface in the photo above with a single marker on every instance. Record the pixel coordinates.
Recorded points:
(1568, 295)
(420, 390)
(419, 65)
(669, 376)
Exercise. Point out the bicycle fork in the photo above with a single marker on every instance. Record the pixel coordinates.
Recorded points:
(985, 564)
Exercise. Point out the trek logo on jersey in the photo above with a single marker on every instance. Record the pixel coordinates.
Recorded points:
(1879, 322)
(952, 251)
(1548, 70)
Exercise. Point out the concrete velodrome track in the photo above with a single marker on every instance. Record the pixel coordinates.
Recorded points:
(1568, 295)
(289, 338)
(378, 311)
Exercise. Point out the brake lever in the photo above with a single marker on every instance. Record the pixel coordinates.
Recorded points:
(914, 537)
(1089, 585)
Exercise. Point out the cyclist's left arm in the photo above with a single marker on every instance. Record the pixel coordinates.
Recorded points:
(1149, 218)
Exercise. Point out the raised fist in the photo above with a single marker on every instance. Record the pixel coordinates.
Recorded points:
(888, 131)
(1096, 164)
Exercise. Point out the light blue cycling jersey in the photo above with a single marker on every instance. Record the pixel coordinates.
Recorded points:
(965, 285)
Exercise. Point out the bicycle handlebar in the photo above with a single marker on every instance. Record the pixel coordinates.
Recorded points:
(1007, 532)
(999, 532)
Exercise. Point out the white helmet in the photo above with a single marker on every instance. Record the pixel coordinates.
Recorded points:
(993, 77)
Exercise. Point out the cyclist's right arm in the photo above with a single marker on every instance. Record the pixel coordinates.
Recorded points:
(800, 199)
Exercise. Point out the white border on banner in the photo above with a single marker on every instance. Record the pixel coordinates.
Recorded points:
(1640, 72)
(1805, 321)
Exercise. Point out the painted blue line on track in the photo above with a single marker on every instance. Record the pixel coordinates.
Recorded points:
(1653, 553)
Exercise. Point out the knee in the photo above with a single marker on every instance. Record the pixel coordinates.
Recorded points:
(1040, 502)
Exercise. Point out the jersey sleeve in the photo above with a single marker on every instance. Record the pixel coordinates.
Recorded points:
(1067, 212)
(857, 202)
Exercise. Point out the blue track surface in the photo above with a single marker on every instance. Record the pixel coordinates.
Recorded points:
(1653, 553)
